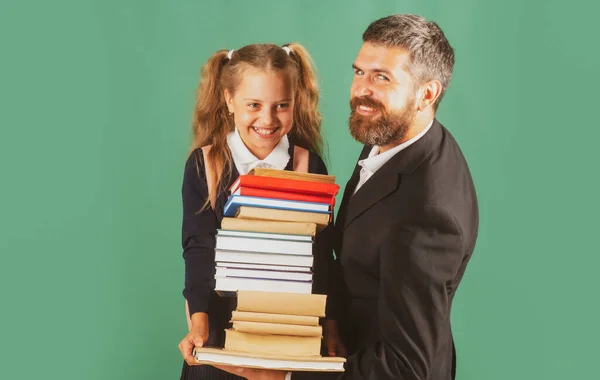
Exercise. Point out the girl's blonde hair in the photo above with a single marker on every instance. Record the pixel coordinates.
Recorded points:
(212, 122)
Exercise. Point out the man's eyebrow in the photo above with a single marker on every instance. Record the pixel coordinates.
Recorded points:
(375, 70)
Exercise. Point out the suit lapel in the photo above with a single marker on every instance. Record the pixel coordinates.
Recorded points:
(379, 186)
(387, 179)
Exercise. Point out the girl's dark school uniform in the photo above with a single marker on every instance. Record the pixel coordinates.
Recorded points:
(198, 240)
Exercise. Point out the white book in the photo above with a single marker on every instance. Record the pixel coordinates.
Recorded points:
(262, 258)
(265, 235)
(208, 355)
(236, 201)
(236, 243)
(280, 268)
(227, 284)
(262, 274)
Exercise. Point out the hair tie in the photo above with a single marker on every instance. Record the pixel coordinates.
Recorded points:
(287, 50)
(229, 54)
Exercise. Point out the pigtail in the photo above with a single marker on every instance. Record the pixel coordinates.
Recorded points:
(307, 119)
(211, 123)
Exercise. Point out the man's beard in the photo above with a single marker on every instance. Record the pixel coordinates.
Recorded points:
(383, 129)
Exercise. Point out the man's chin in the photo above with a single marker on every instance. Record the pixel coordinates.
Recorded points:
(361, 138)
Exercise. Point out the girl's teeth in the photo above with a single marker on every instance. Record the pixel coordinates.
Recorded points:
(264, 132)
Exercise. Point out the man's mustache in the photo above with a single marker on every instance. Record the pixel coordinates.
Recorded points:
(367, 102)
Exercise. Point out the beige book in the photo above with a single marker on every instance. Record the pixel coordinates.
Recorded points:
(211, 356)
(287, 319)
(260, 328)
(288, 174)
(281, 303)
(259, 213)
(272, 344)
(269, 226)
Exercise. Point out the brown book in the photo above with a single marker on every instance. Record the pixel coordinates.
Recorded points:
(246, 212)
(281, 303)
(212, 356)
(269, 226)
(260, 328)
(245, 316)
(275, 173)
(272, 344)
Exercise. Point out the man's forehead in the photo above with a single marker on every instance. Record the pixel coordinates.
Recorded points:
(373, 57)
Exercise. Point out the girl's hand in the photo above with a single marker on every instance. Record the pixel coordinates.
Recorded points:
(196, 337)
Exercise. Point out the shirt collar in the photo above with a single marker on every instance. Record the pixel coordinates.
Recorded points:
(246, 161)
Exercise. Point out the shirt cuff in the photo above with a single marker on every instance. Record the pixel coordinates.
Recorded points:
(288, 376)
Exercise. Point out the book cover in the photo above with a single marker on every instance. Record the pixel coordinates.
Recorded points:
(261, 328)
(262, 274)
(286, 185)
(212, 356)
(265, 235)
(321, 220)
(263, 258)
(266, 267)
(269, 226)
(281, 303)
(272, 344)
(234, 284)
(264, 193)
(251, 244)
(236, 201)
(276, 173)
(248, 316)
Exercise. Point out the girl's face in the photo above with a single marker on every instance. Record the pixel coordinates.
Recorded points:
(263, 109)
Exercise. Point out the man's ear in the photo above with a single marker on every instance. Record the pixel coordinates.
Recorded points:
(430, 93)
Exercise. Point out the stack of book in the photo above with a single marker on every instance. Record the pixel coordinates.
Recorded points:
(266, 236)
(274, 330)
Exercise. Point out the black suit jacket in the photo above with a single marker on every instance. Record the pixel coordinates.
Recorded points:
(404, 240)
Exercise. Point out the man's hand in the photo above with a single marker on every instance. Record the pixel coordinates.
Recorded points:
(333, 342)
(196, 337)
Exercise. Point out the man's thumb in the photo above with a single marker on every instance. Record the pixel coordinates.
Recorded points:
(198, 341)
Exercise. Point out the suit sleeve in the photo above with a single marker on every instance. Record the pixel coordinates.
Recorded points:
(418, 259)
(199, 227)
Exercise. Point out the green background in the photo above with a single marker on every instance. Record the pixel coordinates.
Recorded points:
(96, 100)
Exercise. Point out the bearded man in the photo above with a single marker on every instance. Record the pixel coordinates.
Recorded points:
(408, 221)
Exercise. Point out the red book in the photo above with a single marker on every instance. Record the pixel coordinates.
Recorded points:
(264, 193)
(285, 185)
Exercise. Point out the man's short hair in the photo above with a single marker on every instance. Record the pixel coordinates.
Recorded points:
(431, 56)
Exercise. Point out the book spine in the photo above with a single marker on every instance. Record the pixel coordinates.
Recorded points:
(282, 303)
(272, 344)
(302, 320)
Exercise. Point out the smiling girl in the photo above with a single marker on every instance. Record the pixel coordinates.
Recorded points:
(255, 107)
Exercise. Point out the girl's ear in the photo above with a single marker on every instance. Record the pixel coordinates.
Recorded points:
(229, 100)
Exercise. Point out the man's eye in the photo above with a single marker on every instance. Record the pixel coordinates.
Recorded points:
(382, 77)
(358, 72)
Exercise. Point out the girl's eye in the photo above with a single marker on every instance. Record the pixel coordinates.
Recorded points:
(283, 105)
(253, 105)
